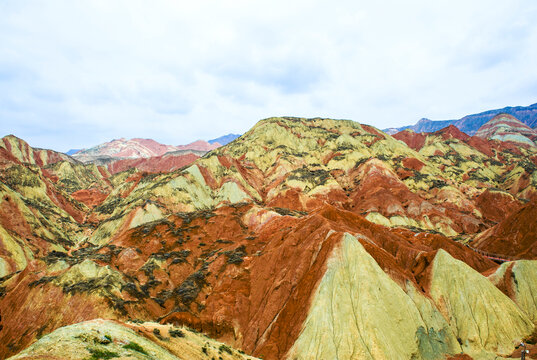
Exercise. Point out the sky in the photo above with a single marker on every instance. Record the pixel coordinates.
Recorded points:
(74, 74)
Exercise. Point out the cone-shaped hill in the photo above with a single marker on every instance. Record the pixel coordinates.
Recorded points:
(505, 127)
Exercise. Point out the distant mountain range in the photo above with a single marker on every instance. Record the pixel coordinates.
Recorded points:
(224, 140)
(145, 148)
(471, 123)
(137, 148)
(72, 151)
(503, 127)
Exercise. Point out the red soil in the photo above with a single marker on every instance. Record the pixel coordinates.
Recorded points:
(413, 163)
(515, 236)
(90, 197)
(496, 206)
(450, 132)
(412, 139)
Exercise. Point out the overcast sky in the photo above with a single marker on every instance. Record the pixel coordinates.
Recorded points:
(74, 74)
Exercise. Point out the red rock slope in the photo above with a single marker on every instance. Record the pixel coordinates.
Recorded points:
(515, 236)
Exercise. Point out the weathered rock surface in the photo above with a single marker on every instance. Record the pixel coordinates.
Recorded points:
(516, 279)
(359, 312)
(515, 236)
(482, 317)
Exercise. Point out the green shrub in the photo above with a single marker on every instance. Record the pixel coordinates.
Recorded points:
(134, 346)
(531, 339)
(236, 256)
(176, 333)
(101, 354)
(225, 348)
(438, 184)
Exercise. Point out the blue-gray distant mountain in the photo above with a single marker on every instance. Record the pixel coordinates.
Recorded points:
(471, 123)
(72, 151)
(223, 140)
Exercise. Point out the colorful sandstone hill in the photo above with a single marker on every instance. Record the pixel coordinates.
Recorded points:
(301, 239)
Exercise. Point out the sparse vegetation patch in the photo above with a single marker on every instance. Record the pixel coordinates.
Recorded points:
(101, 354)
(135, 346)
(236, 256)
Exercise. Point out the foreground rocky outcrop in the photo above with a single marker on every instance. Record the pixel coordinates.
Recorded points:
(304, 238)
(359, 312)
(482, 317)
(105, 339)
(515, 279)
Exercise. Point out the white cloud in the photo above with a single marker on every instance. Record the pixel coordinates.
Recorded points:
(74, 74)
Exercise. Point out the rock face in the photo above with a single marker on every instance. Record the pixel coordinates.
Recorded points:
(483, 317)
(303, 238)
(359, 312)
(495, 204)
(515, 236)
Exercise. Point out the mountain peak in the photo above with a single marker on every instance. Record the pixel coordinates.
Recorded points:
(11, 136)
(452, 131)
(424, 121)
(16, 148)
(224, 140)
(506, 119)
(200, 145)
(124, 148)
